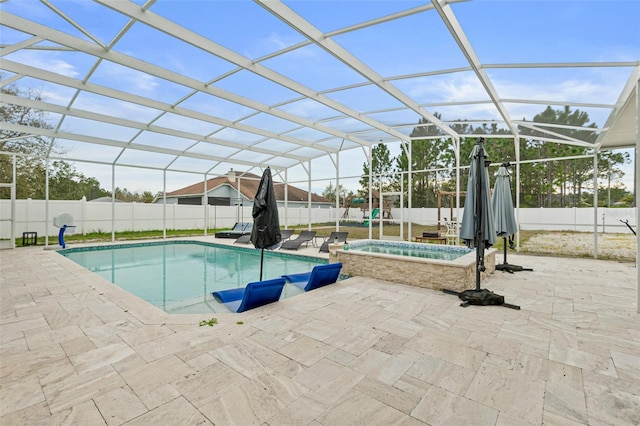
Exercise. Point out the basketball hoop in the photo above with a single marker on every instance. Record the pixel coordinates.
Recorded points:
(64, 221)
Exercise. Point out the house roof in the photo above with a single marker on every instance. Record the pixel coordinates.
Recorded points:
(248, 188)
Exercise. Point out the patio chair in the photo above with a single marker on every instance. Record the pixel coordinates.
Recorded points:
(255, 294)
(239, 229)
(340, 236)
(303, 237)
(319, 276)
(286, 234)
(246, 239)
(451, 234)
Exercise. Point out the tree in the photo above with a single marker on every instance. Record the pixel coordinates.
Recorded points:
(382, 169)
(609, 171)
(547, 178)
(31, 150)
(330, 192)
(131, 197)
(65, 182)
(426, 154)
(552, 183)
(438, 153)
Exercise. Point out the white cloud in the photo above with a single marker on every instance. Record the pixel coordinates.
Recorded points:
(447, 88)
(561, 86)
(46, 60)
(307, 109)
(275, 42)
(135, 80)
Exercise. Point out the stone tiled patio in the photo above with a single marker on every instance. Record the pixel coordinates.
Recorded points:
(75, 349)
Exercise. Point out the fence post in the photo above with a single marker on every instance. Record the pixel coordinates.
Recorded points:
(83, 214)
(27, 214)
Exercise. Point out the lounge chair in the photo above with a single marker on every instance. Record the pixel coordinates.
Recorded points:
(286, 234)
(255, 294)
(303, 237)
(319, 276)
(239, 229)
(341, 236)
(246, 239)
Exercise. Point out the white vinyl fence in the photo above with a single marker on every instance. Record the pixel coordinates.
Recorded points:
(33, 216)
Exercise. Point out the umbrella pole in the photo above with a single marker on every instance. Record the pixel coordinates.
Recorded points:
(505, 265)
(479, 222)
(480, 296)
(504, 241)
(261, 262)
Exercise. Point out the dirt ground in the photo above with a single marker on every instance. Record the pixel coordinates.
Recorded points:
(571, 244)
(610, 246)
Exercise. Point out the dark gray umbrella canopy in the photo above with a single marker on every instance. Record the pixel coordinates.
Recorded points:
(478, 227)
(469, 217)
(265, 233)
(502, 203)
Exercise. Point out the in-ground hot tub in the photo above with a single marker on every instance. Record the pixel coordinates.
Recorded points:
(432, 266)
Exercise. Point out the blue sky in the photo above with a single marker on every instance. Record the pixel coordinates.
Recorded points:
(501, 32)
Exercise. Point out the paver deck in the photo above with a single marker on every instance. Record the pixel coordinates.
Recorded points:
(76, 349)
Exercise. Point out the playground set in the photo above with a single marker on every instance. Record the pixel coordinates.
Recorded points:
(367, 212)
(355, 202)
(451, 196)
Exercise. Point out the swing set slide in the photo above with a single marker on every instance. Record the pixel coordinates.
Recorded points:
(374, 214)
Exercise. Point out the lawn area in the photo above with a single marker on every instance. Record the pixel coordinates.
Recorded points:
(555, 243)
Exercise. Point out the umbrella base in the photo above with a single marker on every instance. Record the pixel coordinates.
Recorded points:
(482, 297)
(507, 267)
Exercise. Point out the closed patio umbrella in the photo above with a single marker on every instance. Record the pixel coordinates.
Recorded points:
(505, 219)
(477, 219)
(502, 203)
(265, 233)
(478, 228)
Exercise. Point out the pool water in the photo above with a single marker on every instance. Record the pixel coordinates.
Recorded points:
(414, 250)
(179, 277)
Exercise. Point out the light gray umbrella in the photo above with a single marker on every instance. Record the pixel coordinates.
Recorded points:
(471, 215)
(502, 203)
(505, 219)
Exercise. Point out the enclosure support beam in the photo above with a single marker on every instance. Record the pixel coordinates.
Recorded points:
(517, 148)
(370, 190)
(635, 190)
(380, 207)
(46, 203)
(338, 189)
(595, 203)
(113, 202)
(14, 179)
(164, 204)
(456, 150)
(309, 198)
(409, 189)
(205, 203)
(286, 199)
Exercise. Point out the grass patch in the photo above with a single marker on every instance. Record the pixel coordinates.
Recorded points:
(94, 237)
(210, 322)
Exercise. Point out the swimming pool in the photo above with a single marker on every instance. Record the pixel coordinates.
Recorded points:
(432, 266)
(179, 276)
